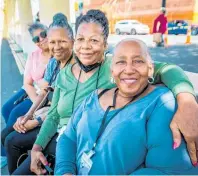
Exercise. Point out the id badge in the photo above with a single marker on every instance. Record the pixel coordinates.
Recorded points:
(86, 162)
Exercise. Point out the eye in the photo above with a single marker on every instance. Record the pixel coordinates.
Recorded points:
(138, 61)
(52, 42)
(80, 39)
(94, 41)
(120, 62)
(64, 41)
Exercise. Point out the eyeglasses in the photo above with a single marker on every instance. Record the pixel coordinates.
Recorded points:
(36, 39)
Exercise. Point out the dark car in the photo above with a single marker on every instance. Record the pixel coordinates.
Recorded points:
(181, 27)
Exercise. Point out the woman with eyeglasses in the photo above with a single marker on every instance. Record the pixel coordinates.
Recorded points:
(19, 104)
(20, 138)
(33, 75)
(90, 72)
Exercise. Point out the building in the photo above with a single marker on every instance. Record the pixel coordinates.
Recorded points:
(144, 11)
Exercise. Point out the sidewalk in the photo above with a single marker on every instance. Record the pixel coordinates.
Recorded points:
(11, 80)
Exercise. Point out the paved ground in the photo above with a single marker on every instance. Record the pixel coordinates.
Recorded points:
(148, 39)
(11, 79)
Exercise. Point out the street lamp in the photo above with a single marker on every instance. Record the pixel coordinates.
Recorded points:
(164, 3)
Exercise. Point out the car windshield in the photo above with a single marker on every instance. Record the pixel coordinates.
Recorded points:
(135, 22)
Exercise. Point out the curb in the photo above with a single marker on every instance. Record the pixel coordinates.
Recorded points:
(18, 55)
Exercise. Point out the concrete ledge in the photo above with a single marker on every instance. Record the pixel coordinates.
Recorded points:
(19, 57)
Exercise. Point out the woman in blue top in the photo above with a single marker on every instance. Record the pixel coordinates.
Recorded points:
(124, 130)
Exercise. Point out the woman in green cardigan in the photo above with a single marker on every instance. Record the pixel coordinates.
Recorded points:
(92, 71)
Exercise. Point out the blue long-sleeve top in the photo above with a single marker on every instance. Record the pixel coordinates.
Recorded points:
(137, 141)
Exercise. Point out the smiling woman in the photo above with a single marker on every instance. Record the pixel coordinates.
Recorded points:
(134, 60)
(21, 138)
(76, 81)
(34, 72)
(113, 132)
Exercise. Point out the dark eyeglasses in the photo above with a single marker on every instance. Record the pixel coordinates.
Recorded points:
(36, 39)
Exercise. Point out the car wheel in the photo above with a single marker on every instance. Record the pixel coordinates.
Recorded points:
(118, 31)
(133, 32)
(194, 32)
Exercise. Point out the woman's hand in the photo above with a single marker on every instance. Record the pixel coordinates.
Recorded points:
(37, 160)
(185, 122)
(18, 126)
(21, 127)
(31, 124)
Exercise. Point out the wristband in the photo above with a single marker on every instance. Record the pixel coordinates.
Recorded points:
(39, 120)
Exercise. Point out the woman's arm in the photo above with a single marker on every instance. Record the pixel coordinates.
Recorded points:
(29, 88)
(161, 158)
(173, 77)
(66, 154)
(47, 131)
(185, 120)
(38, 100)
(49, 126)
(28, 81)
(66, 149)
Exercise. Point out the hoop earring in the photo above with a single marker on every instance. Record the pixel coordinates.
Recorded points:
(151, 80)
(112, 80)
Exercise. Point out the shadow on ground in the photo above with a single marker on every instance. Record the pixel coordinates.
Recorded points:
(185, 56)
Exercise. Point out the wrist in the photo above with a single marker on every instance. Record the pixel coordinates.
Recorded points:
(185, 98)
(29, 115)
(37, 148)
(39, 120)
(36, 123)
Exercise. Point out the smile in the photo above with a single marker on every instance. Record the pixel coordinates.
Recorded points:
(86, 54)
(57, 53)
(129, 81)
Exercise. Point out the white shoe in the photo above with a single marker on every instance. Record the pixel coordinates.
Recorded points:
(3, 161)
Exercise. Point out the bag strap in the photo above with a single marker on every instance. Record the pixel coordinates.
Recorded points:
(55, 73)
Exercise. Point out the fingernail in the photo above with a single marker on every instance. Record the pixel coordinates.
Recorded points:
(175, 145)
(195, 164)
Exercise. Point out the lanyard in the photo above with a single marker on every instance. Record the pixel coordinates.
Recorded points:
(78, 84)
(105, 123)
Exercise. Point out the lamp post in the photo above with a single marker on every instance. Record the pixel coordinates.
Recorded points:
(163, 3)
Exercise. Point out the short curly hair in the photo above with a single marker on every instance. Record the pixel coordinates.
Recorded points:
(37, 25)
(95, 16)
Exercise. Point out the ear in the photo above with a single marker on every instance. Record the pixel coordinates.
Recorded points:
(111, 67)
(106, 46)
(72, 42)
(151, 69)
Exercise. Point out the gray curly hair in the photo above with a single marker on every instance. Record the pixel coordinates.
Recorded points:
(34, 26)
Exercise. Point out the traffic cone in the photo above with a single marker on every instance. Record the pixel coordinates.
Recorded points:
(166, 39)
(188, 37)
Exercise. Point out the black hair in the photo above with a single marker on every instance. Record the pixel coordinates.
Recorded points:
(60, 21)
(95, 16)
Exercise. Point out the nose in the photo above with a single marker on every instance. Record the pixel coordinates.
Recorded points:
(86, 45)
(41, 39)
(57, 46)
(129, 69)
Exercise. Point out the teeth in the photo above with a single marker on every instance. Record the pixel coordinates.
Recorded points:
(130, 80)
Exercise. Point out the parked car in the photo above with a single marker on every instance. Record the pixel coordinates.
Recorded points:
(132, 27)
(181, 27)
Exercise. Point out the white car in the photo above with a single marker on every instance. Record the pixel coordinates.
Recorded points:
(132, 27)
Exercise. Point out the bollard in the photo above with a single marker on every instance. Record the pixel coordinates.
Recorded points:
(166, 38)
(188, 37)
